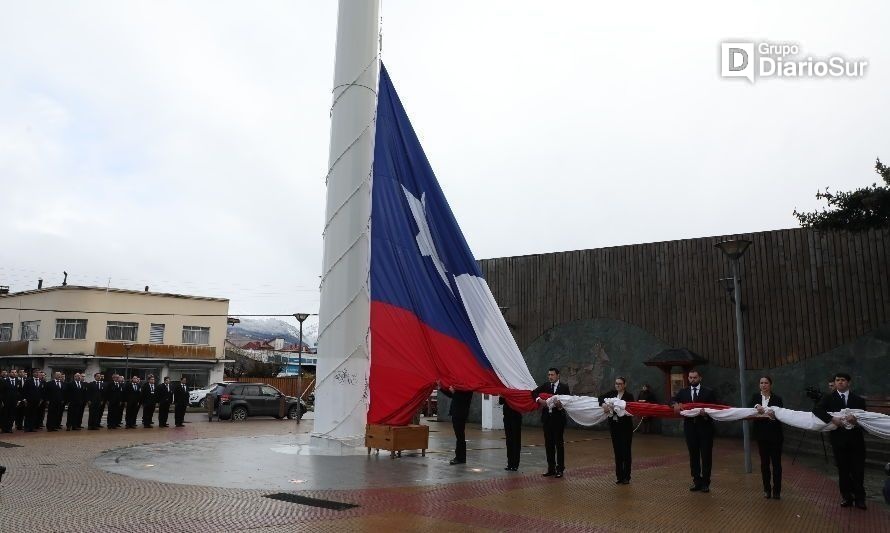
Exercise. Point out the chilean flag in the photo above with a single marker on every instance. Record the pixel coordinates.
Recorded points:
(433, 317)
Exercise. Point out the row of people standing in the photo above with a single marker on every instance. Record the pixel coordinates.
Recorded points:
(32, 403)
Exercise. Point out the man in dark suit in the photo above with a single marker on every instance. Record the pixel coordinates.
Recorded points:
(7, 402)
(150, 394)
(115, 401)
(459, 411)
(847, 441)
(180, 400)
(98, 390)
(699, 431)
(32, 394)
(55, 400)
(76, 397)
(133, 395)
(21, 407)
(165, 397)
(554, 422)
(41, 413)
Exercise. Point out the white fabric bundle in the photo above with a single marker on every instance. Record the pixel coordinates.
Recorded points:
(587, 411)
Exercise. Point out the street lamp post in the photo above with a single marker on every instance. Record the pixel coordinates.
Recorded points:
(300, 318)
(734, 250)
(127, 347)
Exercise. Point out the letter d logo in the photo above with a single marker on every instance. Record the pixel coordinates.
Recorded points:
(737, 60)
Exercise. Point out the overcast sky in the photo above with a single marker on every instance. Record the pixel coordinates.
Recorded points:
(183, 145)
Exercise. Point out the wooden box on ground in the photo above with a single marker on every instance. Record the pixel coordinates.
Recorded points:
(397, 438)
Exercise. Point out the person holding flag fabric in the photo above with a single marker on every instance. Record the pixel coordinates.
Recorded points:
(699, 431)
(554, 421)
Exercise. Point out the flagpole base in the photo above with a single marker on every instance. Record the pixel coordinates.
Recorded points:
(327, 445)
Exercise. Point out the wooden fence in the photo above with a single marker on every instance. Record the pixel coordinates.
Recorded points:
(288, 385)
(804, 292)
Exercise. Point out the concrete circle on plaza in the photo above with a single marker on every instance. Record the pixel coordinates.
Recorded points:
(286, 462)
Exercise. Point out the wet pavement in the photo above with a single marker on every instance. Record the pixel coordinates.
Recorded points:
(218, 477)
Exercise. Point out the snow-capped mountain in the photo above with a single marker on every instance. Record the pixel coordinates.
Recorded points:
(272, 328)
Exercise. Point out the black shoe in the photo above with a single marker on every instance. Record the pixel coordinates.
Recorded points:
(163, 426)
(846, 503)
(624, 482)
(548, 473)
(457, 461)
(2, 471)
(860, 504)
(705, 488)
(695, 488)
(618, 481)
(777, 495)
(558, 475)
(766, 494)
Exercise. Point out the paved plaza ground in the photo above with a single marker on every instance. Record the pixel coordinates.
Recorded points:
(210, 477)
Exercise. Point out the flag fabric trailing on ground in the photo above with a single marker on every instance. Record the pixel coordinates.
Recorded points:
(433, 317)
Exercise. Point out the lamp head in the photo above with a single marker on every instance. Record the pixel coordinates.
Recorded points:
(301, 317)
(734, 249)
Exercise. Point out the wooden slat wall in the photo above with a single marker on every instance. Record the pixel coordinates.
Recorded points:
(804, 292)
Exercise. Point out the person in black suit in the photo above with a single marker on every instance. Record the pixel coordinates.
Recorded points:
(699, 431)
(847, 443)
(622, 430)
(554, 421)
(6, 389)
(32, 394)
(180, 400)
(115, 401)
(41, 410)
(133, 396)
(165, 397)
(459, 410)
(55, 399)
(150, 396)
(21, 407)
(767, 431)
(512, 434)
(97, 392)
(76, 397)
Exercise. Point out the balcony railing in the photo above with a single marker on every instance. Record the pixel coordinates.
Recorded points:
(157, 351)
(14, 348)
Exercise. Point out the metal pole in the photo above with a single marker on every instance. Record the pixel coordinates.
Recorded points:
(740, 342)
(300, 363)
(127, 348)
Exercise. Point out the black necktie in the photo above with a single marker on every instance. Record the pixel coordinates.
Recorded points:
(694, 393)
(554, 388)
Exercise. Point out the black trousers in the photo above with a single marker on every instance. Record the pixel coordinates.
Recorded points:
(460, 437)
(20, 411)
(132, 411)
(700, 443)
(771, 455)
(148, 414)
(622, 433)
(554, 428)
(163, 413)
(96, 410)
(513, 434)
(115, 414)
(54, 415)
(849, 456)
(75, 415)
(179, 413)
(33, 416)
(7, 414)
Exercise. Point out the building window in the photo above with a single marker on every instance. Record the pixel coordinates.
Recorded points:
(156, 334)
(6, 332)
(71, 328)
(31, 330)
(195, 335)
(121, 331)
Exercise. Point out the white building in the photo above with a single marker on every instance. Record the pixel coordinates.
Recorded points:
(91, 329)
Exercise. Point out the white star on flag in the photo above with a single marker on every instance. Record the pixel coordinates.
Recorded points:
(424, 237)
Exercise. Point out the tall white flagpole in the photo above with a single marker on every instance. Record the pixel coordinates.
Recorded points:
(344, 314)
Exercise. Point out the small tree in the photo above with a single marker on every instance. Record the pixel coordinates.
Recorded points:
(862, 209)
